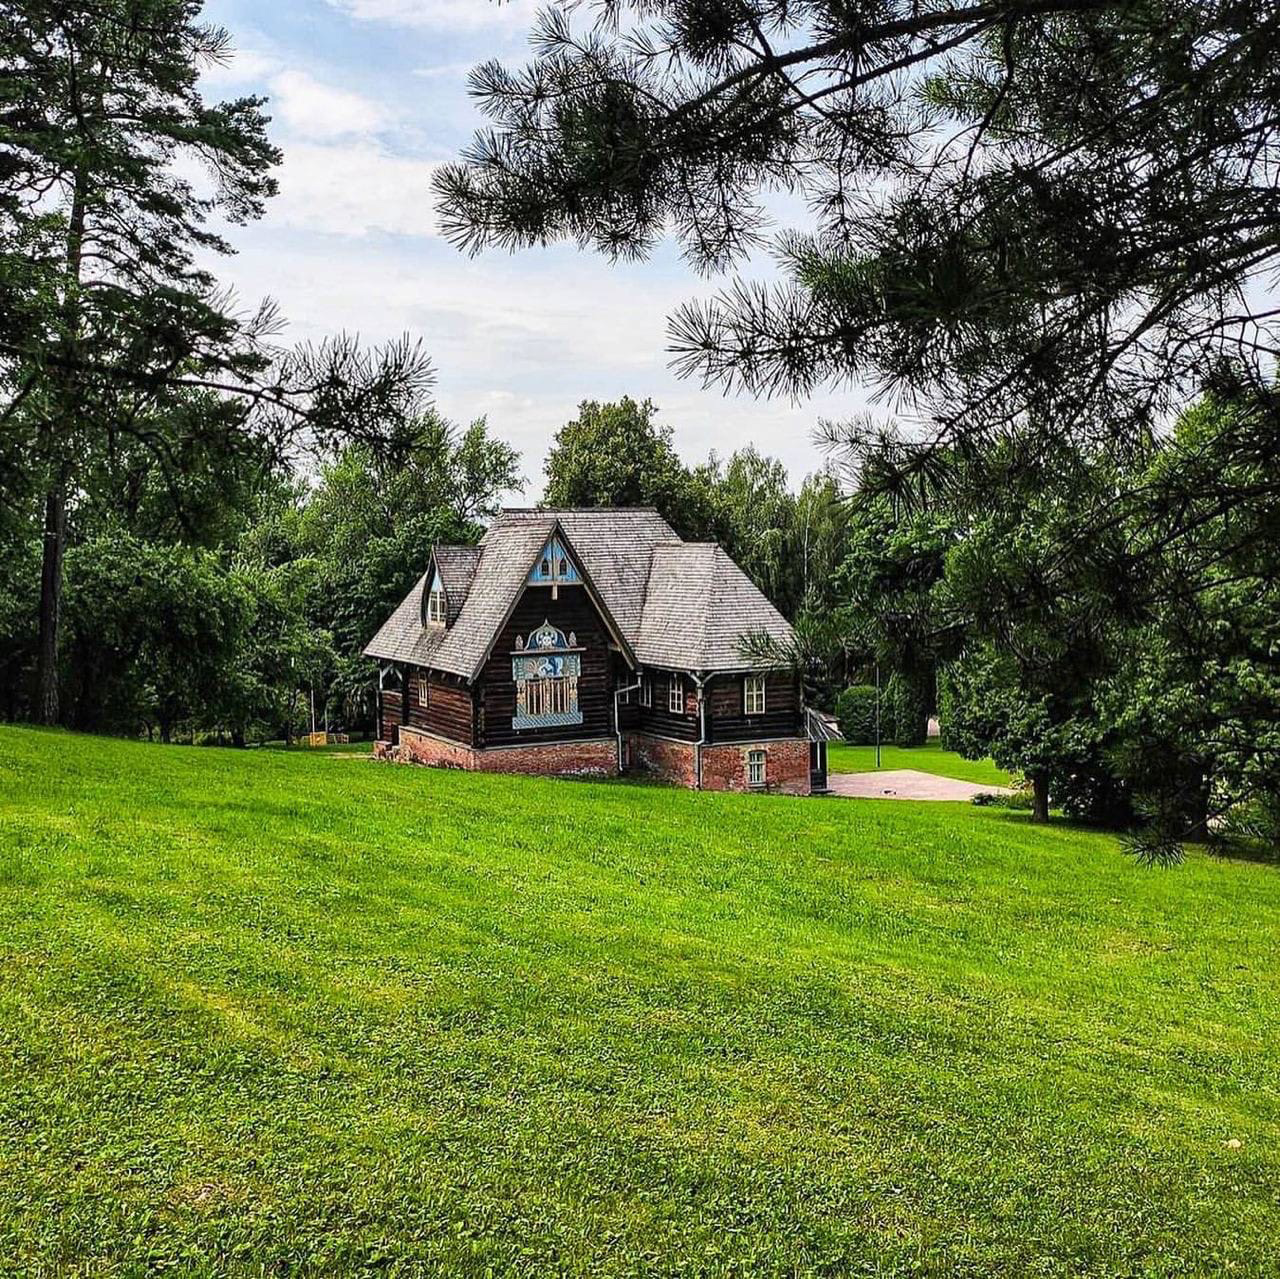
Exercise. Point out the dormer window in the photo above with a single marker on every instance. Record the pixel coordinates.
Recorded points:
(554, 567)
(435, 603)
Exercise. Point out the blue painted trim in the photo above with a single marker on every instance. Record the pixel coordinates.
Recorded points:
(546, 721)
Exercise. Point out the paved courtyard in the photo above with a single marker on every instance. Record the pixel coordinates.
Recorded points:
(907, 783)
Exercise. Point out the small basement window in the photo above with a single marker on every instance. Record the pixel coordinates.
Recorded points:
(753, 695)
(675, 696)
(755, 768)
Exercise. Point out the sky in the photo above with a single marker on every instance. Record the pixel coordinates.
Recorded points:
(366, 98)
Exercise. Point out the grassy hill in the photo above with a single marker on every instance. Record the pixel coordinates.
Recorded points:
(277, 1013)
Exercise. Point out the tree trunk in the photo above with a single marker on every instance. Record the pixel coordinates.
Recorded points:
(55, 545)
(57, 434)
(1039, 798)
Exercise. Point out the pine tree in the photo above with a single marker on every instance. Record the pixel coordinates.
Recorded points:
(114, 173)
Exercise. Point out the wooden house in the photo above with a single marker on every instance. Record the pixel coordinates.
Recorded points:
(592, 642)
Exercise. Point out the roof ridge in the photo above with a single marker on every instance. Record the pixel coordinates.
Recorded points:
(580, 510)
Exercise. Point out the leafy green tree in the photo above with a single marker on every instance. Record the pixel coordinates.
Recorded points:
(153, 630)
(616, 454)
(856, 713)
(819, 540)
(375, 515)
(281, 652)
(1196, 701)
(103, 104)
(19, 583)
(753, 513)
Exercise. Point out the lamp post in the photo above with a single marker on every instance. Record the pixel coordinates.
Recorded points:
(877, 716)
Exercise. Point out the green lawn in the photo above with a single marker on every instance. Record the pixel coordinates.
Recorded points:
(272, 1013)
(929, 758)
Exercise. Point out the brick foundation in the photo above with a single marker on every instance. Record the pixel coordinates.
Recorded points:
(669, 760)
(724, 765)
(786, 768)
(595, 758)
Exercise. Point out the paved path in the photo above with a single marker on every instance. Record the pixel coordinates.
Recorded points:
(906, 783)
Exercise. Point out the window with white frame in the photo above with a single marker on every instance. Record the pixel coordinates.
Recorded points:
(646, 691)
(753, 695)
(755, 768)
(424, 692)
(435, 602)
(623, 686)
(675, 695)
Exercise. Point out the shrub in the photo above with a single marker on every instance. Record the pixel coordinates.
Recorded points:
(904, 716)
(856, 712)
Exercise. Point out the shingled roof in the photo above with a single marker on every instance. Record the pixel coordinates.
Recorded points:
(674, 604)
(615, 546)
(457, 565)
(698, 606)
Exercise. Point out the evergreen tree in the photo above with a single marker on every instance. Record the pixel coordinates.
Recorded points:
(1044, 209)
(110, 320)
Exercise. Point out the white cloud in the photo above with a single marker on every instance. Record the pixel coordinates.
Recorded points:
(353, 189)
(445, 71)
(523, 344)
(452, 15)
(311, 109)
(244, 67)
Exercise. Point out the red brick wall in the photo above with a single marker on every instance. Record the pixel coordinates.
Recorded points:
(672, 761)
(724, 767)
(596, 758)
(417, 747)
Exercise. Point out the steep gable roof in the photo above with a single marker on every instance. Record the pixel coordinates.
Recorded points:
(507, 552)
(698, 606)
(615, 545)
(673, 603)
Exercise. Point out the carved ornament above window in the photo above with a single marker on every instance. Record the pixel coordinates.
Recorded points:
(546, 673)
